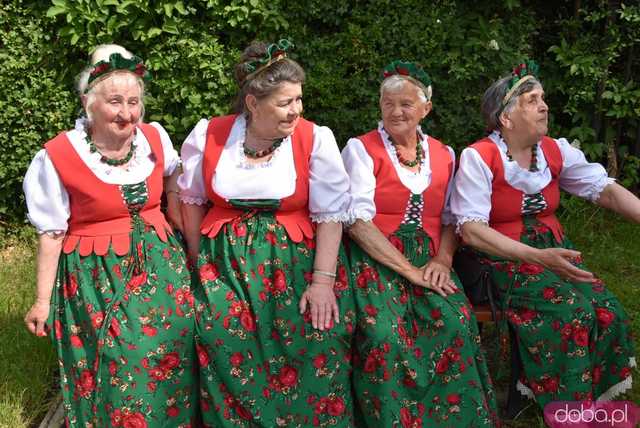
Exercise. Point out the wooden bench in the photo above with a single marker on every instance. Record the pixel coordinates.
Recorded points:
(515, 401)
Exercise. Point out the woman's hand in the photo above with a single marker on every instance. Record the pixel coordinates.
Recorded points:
(559, 261)
(174, 212)
(438, 274)
(36, 318)
(322, 304)
(417, 277)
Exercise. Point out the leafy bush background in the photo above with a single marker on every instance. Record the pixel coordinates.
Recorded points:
(588, 50)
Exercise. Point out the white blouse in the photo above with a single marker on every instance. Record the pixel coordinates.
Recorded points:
(48, 200)
(235, 178)
(363, 182)
(471, 197)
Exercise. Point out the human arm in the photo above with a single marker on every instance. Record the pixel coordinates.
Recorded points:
(319, 295)
(191, 187)
(618, 199)
(192, 216)
(438, 270)
(171, 191)
(49, 247)
(471, 204)
(328, 203)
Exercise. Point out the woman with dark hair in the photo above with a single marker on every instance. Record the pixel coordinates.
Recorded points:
(418, 361)
(573, 335)
(112, 285)
(264, 194)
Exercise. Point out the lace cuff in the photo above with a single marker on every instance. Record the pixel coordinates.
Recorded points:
(329, 217)
(52, 233)
(593, 194)
(193, 200)
(354, 215)
(465, 219)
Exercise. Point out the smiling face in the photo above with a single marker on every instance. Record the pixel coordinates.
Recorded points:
(403, 109)
(530, 117)
(116, 107)
(276, 115)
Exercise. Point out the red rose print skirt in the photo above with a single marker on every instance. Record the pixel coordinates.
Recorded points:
(418, 362)
(123, 328)
(574, 338)
(261, 361)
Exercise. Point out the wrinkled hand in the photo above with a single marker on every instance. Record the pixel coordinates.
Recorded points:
(438, 274)
(559, 261)
(417, 277)
(174, 214)
(37, 317)
(322, 304)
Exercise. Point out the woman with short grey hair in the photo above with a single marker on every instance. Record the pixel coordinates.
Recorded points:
(417, 338)
(573, 334)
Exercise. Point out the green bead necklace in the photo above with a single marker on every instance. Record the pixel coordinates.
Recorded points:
(109, 161)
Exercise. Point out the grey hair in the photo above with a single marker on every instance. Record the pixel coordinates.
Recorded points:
(492, 107)
(396, 82)
(102, 53)
(266, 81)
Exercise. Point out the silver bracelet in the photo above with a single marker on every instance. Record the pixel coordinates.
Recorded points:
(324, 273)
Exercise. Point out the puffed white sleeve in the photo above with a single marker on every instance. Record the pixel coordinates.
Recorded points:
(191, 181)
(579, 176)
(471, 195)
(47, 199)
(447, 217)
(362, 181)
(171, 158)
(328, 180)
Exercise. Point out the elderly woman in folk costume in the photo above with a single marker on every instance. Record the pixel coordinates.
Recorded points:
(274, 309)
(573, 334)
(418, 358)
(112, 286)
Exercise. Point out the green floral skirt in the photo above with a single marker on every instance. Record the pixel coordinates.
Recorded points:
(418, 361)
(123, 329)
(574, 338)
(262, 364)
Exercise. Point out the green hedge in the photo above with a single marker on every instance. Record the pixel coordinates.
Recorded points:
(587, 56)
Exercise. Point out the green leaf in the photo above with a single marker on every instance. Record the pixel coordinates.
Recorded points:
(153, 32)
(180, 8)
(56, 10)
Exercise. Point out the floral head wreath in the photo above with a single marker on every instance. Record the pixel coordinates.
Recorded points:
(406, 68)
(524, 71)
(118, 62)
(275, 52)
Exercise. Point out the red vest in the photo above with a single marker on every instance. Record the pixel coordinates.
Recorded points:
(391, 196)
(506, 201)
(99, 216)
(293, 213)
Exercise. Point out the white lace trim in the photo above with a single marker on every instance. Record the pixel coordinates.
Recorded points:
(330, 218)
(193, 200)
(609, 394)
(354, 215)
(467, 219)
(52, 233)
(525, 390)
(619, 387)
(596, 189)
